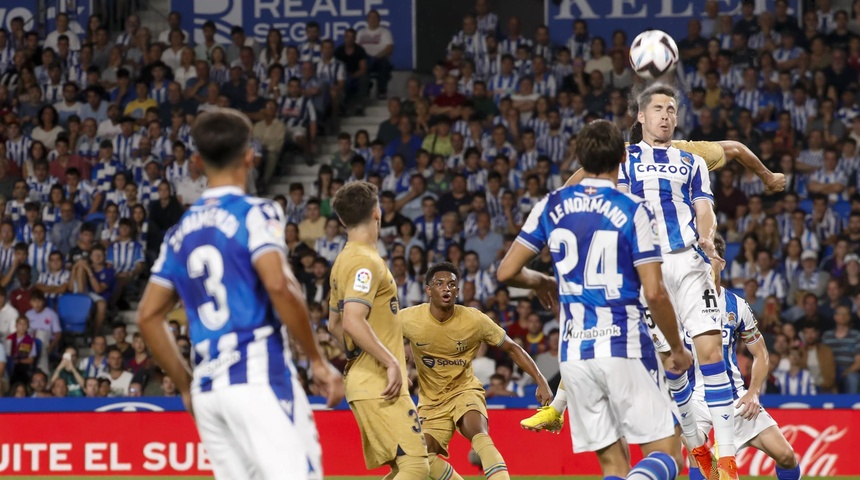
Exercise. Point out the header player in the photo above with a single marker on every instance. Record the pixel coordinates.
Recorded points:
(445, 338)
(363, 315)
(603, 245)
(226, 261)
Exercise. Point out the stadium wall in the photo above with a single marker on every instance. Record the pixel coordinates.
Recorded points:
(144, 437)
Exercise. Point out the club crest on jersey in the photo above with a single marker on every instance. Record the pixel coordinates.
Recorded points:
(461, 347)
(590, 190)
(363, 278)
(732, 320)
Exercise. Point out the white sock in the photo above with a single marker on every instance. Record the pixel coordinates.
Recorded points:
(559, 403)
(679, 385)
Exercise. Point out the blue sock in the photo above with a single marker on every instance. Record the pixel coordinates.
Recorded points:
(613, 478)
(657, 466)
(718, 396)
(791, 474)
(696, 474)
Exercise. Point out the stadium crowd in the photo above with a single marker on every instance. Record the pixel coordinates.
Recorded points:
(94, 168)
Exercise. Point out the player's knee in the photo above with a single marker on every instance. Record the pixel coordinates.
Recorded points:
(412, 468)
(785, 457)
(709, 347)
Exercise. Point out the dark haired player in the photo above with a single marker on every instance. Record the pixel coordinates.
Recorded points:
(445, 338)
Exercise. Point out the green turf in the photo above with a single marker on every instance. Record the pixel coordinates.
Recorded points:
(515, 477)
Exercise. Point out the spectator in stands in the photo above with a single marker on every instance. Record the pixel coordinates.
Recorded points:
(164, 213)
(118, 377)
(91, 387)
(354, 58)
(65, 233)
(44, 326)
(68, 374)
(95, 364)
(190, 188)
(818, 358)
(845, 344)
(140, 361)
(20, 297)
(378, 42)
(39, 384)
(22, 352)
(810, 278)
(8, 316)
(55, 281)
(797, 380)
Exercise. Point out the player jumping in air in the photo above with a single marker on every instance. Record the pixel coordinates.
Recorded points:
(363, 315)
(445, 338)
(604, 249)
(226, 261)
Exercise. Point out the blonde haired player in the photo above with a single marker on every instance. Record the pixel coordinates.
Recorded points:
(363, 315)
(445, 338)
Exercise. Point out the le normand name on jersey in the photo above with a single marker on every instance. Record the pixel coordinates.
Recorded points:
(219, 218)
(588, 204)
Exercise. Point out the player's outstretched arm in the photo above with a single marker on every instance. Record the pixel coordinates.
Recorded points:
(525, 362)
(356, 326)
(288, 301)
(773, 182)
(157, 301)
(663, 314)
(755, 345)
(513, 272)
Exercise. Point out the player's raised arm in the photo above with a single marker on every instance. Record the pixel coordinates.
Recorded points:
(158, 299)
(525, 362)
(703, 203)
(512, 270)
(773, 182)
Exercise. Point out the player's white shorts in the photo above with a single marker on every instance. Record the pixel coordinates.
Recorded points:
(691, 289)
(745, 430)
(248, 433)
(610, 398)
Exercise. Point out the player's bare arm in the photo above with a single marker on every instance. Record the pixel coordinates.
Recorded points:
(525, 362)
(706, 225)
(750, 402)
(288, 301)
(513, 272)
(356, 326)
(664, 314)
(157, 301)
(773, 182)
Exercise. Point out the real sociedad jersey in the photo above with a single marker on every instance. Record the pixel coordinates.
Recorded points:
(597, 236)
(208, 259)
(736, 317)
(671, 180)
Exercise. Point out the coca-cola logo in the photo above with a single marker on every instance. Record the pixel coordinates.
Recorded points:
(810, 445)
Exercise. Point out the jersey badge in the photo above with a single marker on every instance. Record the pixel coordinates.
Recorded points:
(590, 190)
(362, 281)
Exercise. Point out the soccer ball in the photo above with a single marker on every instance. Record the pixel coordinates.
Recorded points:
(653, 54)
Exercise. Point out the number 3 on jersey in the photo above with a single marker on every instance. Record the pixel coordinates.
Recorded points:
(601, 264)
(207, 259)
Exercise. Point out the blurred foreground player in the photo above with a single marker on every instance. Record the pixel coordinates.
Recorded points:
(363, 315)
(603, 245)
(445, 337)
(226, 261)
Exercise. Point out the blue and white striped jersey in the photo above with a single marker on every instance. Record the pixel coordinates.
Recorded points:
(158, 92)
(50, 215)
(125, 148)
(40, 191)
(329, 249)
(546, 85)
(488, 24)
(7, 253)
(54, 279)
(24, 233)
(474, 46)
(555, 146)
(670, 180)
(37, 256)
(332, 72)
(501, 85)
(176, 172)
(103, 173)
(123, 256)
(297, 112)
(736, 317)
(15, 210)
(510, 45)
(208, 259)
(18, 150)
(597, 236)
(52, 93)
(310, 52)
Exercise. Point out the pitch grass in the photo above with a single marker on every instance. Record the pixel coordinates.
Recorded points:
(516, 477)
